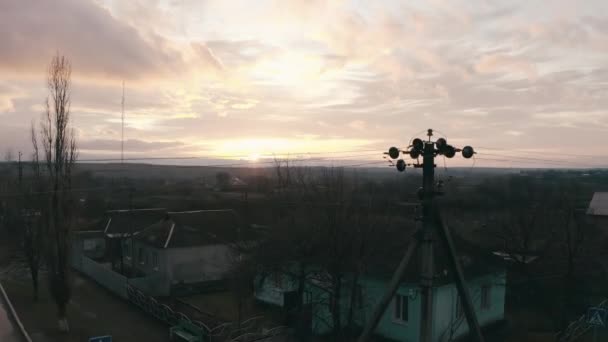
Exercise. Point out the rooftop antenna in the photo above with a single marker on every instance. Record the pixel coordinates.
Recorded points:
(432, 226)
(122, 131)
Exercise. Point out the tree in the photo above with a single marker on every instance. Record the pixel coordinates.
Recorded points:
(328, 230)
(222, 180)
(31, 216)
(59, 150)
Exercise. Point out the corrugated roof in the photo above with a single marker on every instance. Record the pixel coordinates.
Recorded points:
(599, 204)
(121, 222)
(196, 228)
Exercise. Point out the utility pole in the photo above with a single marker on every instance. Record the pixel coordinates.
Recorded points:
(122, 129)
(20, 168)
(432, 225)
(427, 260)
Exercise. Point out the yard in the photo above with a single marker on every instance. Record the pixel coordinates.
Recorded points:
(93, 311)
(224, 305)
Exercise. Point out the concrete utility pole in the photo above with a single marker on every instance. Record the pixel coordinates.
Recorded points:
(432, 225)
(122, 127)
(20, 167)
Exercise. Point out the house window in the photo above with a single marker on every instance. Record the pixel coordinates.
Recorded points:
(140, 255)
(155, 260)
(401, 307)
(486, 297)
(308, 297)
(277, 280)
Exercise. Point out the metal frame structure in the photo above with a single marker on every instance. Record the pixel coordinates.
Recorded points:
(424, 239)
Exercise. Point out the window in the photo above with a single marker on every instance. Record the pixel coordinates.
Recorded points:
(277, 279)
(401, 311)
(155, 260)
(307, 297)
(140, 255)
(486, 301)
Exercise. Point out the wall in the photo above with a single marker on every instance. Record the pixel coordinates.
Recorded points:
(444, 301)
(199, 264)
(446, 322)
(267, 291)
(373, 290)
(154, 285)
(107, 278)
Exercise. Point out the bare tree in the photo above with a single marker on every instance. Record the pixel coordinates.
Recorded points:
(59, 156)
(31, 213)
(8, 155)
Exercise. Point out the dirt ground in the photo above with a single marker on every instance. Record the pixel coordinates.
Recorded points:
(93, 311)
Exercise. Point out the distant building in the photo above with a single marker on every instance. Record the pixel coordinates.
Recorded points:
(188, 248)
(598, 209)
(485, 275)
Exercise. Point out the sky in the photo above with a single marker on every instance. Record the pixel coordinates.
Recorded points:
(517, 80)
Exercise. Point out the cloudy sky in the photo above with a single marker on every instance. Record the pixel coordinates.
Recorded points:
(246, 78)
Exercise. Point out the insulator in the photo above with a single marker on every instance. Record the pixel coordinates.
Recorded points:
(441, 143)
(414, 153)
(401, 165)
(393, 152)
(418, 144)
(468, 152)
(449, 151)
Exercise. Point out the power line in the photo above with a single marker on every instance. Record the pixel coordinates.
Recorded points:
(268, 155)
(542, 153)
(561, 163)
(530, 158)
(92, 189)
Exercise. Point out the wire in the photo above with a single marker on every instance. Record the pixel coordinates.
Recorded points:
(539, 153)
(530, 158)
(539, 163)
(377, 162)
(220, 156)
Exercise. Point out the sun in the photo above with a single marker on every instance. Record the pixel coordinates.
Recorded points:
(254, 157)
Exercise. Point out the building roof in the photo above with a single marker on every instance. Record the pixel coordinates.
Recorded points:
(120, 223)
(195, 228)
(599, 204)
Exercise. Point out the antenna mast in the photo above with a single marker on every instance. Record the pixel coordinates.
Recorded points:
(122, 130)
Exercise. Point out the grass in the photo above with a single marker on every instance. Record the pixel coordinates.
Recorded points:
(93, 311)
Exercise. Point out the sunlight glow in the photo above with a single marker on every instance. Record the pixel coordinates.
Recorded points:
(289, 68)
(258, 148)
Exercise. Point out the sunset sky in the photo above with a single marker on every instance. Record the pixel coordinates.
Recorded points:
(224, 78)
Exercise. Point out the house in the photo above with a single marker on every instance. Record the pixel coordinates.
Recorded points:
(188, 248)
(486, 279)
(598, 208)
(119, 225)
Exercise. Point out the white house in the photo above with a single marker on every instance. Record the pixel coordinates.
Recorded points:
(193, 247)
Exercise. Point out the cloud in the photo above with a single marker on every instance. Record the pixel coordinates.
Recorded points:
(131, 145)
(497, 63)
(358, 125)
(94, 40)
(205, 73)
